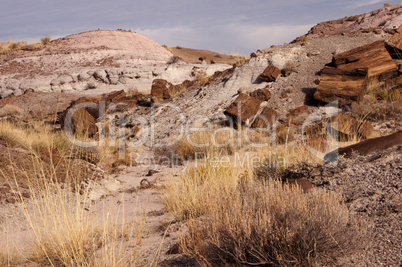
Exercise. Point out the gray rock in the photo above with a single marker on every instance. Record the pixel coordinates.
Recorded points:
(55, 82)
(83, 77)
(113, 76)
(101, 76)
(66, 79)
(90, 85)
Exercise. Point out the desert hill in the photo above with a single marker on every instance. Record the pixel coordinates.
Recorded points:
(387, 18)
(101, 60)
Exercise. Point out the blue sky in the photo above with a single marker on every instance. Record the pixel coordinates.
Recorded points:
(230, 26)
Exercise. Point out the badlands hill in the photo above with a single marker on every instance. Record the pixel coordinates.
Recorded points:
(102, 60)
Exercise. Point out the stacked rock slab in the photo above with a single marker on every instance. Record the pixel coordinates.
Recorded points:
(345, 78)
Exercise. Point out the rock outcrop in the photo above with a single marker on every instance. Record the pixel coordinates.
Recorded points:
(366, 147)
(265, 119)
(395, 44)
(162, 90)
(346, 78)
(270, 74)
(243, 109)
(261, 94)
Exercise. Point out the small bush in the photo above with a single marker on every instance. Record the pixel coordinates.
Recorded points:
(45, 40)
(289, 68)
(173, 60)
(352, 18)
(274, 225)
(390, 95)
(206, 143)
(284, 134)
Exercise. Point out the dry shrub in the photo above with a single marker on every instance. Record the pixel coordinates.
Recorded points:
(352, 18)
(273, 224)
(196, 144)
(242, 61)
(173, 60)
(45, 40)
(289, 68)
(191, 195)
(284, 134)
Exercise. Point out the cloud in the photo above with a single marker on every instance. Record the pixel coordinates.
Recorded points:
(366, 3)
(262, 36)
(231, 38)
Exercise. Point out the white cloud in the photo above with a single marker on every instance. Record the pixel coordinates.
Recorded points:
(262, 36)
(231, 38)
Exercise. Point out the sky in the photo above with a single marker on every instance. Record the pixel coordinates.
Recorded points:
(227, 26)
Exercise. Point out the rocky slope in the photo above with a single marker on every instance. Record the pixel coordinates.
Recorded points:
(384, 19)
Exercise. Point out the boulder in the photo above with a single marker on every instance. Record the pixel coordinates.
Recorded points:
(113, 76)
(64, 79)
(341, 85)
(83, 77)
(270, 74)
(162, 89)
(349, 127)
(243, 108)
(297, 116)
(345, 78)
(366, 147)
(83, 123)
(395, 44)
(101, 76)
(261, 94)
(265, 119)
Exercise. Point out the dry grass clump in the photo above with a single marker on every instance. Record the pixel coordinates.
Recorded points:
(30, 136)
(241, 222)
(274, 225)
(45, 40)
(59, 221)
(242, 61)
(191, 195)
(352, 18)
(173, 60)
(10, 47)
(284, 134)
(203, 143)
(66, 234)
(289, 68)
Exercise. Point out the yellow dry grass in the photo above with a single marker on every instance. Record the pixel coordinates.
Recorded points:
(236, 220)
(63, 228)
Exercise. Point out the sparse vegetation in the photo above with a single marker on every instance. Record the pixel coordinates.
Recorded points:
(57, 212)
(304, 38)
(45, 40)
(352, 18)
(246, 222)
(207, 143)
(289, 68)
(173, 60)
(6, 49)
